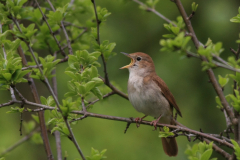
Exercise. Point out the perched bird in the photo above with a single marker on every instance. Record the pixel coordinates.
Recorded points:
(150, 95)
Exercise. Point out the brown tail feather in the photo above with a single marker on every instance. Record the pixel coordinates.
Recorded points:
(170, 146)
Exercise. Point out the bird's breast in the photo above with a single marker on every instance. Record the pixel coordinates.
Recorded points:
(147, 98)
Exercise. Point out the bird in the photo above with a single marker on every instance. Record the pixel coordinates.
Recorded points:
(149, 94)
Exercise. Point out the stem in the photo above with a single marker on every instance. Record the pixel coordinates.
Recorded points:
(45, 19)
(105, 96)
(37, 100)
(21, 141)
(52, 93)
(64, 30)
(56, 133)
(107, 82)
(154, 11)
(130, 120)
(210, 73)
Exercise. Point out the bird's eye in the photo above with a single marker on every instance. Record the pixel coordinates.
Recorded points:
(139, 58)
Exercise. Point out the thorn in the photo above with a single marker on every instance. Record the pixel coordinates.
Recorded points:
(128, 124)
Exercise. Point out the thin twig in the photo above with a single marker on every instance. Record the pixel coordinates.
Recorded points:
(34, 91)
(71, 24)
(71, 3)
(106, 79)
(5, 57)
(11, 102)
(50, 29)
(154, 11)
(221, 60)
(211, 75)
(64, 30)
(233, 51)
(105, 96)
(190, 54)
(107, 82)
(24, 139)
(130, 120)
(56, 133)
(52, 93)
(191, 15)
(35, 66)
(128, 125)
(218, 149)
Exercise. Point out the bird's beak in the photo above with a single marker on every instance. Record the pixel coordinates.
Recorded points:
(132, 61)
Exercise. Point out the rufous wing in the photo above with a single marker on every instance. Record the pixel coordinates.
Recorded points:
(166, 92)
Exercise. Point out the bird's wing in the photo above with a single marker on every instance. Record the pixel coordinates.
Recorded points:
(166, 92)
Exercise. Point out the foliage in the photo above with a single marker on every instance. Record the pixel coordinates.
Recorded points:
(237, 18)
(96, 155)
(200, 151)
(165, 133)
(236, 148)
(33, 36)
(194, 7)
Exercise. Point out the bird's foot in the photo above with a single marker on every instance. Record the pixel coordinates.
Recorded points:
(154, 123)
(139, 120)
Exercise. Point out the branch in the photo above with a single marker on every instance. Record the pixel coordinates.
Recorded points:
(106, 79)
(24, 139)
(219, 150)
(191, 15)
(154, 11)
(35, 66)
(105, 96)
(52, 93)
(71, 24)
(64, 30)
(11, 102)
(211, 75)
(5, 57)
(107, 82)
(130, 120)
(50, 29)
(56, 133)
(34, 91)
(190, 54)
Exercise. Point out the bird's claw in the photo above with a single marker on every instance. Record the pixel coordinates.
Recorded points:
(154, 123)
(138, 121)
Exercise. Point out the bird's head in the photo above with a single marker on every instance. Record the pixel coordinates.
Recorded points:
(141, 63)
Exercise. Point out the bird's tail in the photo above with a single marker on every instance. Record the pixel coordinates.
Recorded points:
(170, 146)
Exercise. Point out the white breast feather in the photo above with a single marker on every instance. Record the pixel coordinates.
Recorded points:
(148, 99)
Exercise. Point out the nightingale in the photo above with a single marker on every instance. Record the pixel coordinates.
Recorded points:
(149, 94)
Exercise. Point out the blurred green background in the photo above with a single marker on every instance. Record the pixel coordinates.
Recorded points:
(136, 30)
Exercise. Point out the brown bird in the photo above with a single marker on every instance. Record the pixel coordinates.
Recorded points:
(150, 95)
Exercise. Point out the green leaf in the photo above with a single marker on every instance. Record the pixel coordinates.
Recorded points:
(175, 30)
(97, 93)
(236, 148)
(237, 18)
(95, 54)
(206, 155)
(71, 74)
(43, 100)
(98, 81)
(165, 132)
(89, 85)
(194, 6)
(96, 155)
(7, 76)
(218, 101)
(222, 81)
(70, 94)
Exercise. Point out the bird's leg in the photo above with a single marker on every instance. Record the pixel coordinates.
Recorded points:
(139, 120)
(154, 123)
